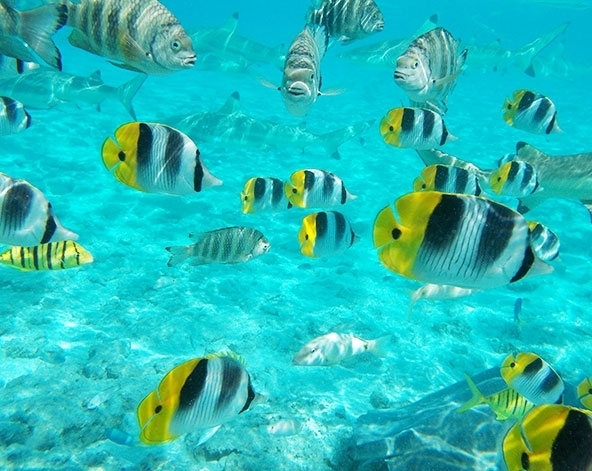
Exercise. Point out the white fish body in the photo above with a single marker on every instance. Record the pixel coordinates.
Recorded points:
(333, 348)
(13, 116)
(284, 428)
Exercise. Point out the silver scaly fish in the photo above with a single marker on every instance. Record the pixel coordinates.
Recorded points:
(143, 36)
(428, 69)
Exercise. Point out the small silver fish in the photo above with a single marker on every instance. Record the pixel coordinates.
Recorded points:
(227, 245)
(347, 20)
(14, 118)
(284, 428)
(428, 69)
(141, 35)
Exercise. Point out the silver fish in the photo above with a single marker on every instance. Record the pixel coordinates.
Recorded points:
(428, 69)
(46, 88)
(14, 118)
(26, 33)
(347, 20)
(226, 245)
(26, 217)
(230, 126)
(141, 35)
(301, 82)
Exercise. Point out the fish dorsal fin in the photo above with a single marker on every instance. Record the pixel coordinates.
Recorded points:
(231, 105)
(429, 25)
(526, 151)
(231, 24)
(95, 78)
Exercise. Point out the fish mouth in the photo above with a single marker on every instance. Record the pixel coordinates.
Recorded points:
(189, 61)
(298, 89)
(379, 26)
(399, 76)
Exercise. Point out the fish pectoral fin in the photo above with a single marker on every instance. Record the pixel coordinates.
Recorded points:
(446, 80)
(333, 91)
(266, 83)
(126, 66)
(78, 39)
(131, 49)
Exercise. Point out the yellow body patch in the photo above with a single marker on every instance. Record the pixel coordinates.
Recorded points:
(51, 256)
(513, 366)
(294, 189)
(585, 392)
(307, 235)
(390, 127)
(427, 180)
(248, 196)
(498, 179)
(120, 155)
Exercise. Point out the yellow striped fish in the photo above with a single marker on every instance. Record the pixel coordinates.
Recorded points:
(51, 256)
(415, 128)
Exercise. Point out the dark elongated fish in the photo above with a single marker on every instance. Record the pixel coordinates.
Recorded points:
(231, 126)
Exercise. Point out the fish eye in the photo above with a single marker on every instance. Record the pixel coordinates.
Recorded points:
(509, 106)
(525, 461)
(175, 44)
(512, 365)
(311, 76)
(396, 233)
(121, 155)
(499, 179)
(157, 409)
(306, 238)
(391, 128)
(423, 187)
(294, 190)
(416, 64)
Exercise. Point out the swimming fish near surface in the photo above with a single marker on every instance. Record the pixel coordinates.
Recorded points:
(26, 217)
(347, 20)
(515, 178)
(198, 395)
(531, 112)
(325, 234)
(447, 179)
(14, 118)
(533, 378)
(427, 71)
(263, 194)
(27, 34)
(227, 245)
(51, 256)
(543, 241)
(434, 228)
(417, 128)
(585, 392)
(156, 158)
(140, 35)
(333, 348)
(229, 126)
(314, 188)
(506, 404)
(551, 437)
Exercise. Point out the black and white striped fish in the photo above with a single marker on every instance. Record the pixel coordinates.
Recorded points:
(543, 241)
(514, 178)
(26, 217)
(141, 35)
(428, 69)
(314, 188)
(14, 118)
(263, 194)
(325, 234)
(51, 256)
(347, 20)
(531, 112)
(448, 179)
(227, 245)
(415, 128)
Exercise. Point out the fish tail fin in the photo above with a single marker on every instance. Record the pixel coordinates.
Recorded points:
(178, 254)
(379, 346)
(127, 91)
(38, 25)
(477, 398)
(332, 140)
(533, 49)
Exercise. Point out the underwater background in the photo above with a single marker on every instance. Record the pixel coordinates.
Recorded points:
(81, 348)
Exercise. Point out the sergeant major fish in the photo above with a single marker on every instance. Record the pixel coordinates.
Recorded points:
(226, 245)
(14, 118)
(428, 69)
(141, 35)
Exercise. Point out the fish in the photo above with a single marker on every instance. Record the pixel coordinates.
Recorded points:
(434, 292)
(515, 178)
(46, 88)
(263, 194)
(235, 244)
(585, 392)
(301, 81)
(26, 35)
(138, 35)
(447, 179)
(231, 127)
(156, 158)
(427, 71)
(198, 395)
(438, 157)
(14, 118)
(551, 437)
(543, 241)
(11, 66)
(325, 234)
(568, 176)
(531, 112)
(435, 228)
(533, 378)
(507, 404)
(315, 188)
(51, 256)
(284, 428)
(347, 20)
(333, 348)
(417, 128)
(26, 216)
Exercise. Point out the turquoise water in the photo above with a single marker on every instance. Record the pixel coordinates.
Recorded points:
(80, 348)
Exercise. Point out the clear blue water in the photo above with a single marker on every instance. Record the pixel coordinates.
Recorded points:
(80, 348)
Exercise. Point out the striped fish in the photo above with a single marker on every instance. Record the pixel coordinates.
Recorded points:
(10, 66)
(301, 82)
(460, 240)
(514, 178)
(448, 179)
(347, 20)
(14, 118)
(314, 188)
(157, 159)
(325, 234)
(531, 112)
(263, 194)
(417, 128)
(427, 71)
(226, 245)
(140, 35)
(196, 396)
(543, 241)
(26, 217)
(50, 256)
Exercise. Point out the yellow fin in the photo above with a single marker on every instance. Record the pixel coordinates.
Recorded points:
(121, 156)
(307, 235)
(475, 400)
(390, 126)
(384, 224)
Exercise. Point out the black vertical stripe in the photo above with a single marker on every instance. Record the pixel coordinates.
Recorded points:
(309, 180)
(533, 367)
(428, 123)
(526, 101)
(343, 194)
(173, 156)
(408, 120)
(444, 134)
(328, 186)
(278, 190)
(35, 254)
(83, 14)
(461, 180)
(321, 224)
(542, 109)
(551, 124)
(441, 177)
(50, 228)
(96, 24)
(572, 447)
(198, 173)
(340, 225)
(550, 382)
(250, 396)
(514, 168)
(63, 255)
(48, 248)
(231, 381)
(259, 188)
(497, 232)
(112, 30)
(144, 145)
(194, 385)
(527, 262)
(16, 207)
(444, 223)
(23, 257)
